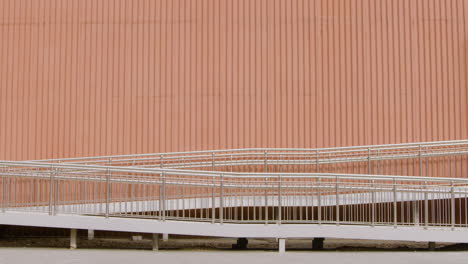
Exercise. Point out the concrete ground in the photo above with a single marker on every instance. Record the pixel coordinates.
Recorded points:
(218, 250)
(225, 244)
(104, 256)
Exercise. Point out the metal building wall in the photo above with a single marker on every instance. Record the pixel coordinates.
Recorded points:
(83, 78)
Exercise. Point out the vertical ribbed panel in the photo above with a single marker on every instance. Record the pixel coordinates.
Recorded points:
(84, 78)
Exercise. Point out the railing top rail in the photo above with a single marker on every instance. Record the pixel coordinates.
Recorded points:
(183, 159)
(349, 148)
(241, 175)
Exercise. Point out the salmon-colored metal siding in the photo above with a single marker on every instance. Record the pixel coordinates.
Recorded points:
(84, 78)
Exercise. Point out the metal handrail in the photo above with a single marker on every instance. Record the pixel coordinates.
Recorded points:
(321, 150)
(189, 188)
(242, 175)
(286, 188)
(211, 162)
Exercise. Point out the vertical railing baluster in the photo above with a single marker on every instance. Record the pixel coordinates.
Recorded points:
(279, 199)
(108, 176)
(4, 188)
(420, 161)
(369, 168)
(319, 198)
(231, 162)
(312, 198)
(317, 162)
(378, 162)
(394, 203)
(337, 202)
(9, 188)
(183, 197)
(51, 188)
(265, 169)
(221, 199)
(213, 161)
(373, 202)
(266, 201)
(427, 161)
(452, 204)
(213, 199)
(56, 191)
(426, 206)
(163, 196)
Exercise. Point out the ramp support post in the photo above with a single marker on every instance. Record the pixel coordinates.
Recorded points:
(241, 243)
(281, 245)
(73, 235)
(155, 242)
(317, 243)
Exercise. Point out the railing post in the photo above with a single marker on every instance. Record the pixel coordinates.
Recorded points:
(221, 200)
(108, 176)
(373, 202)
(266, 201)
(56, 191)
(3, 170)
(394, 204)
(416, 218)
(51, 190)
(4, 188)
(378, 161)
(319, 198)
(279, 199)
(426, 207)
(420, 161)
(213, 161)
(183, 200)
(160, 197)
(317, 162)
(161, 163)
(163, 196)
(452, 204)
(260, 213)
(8, 191)
(213, 208)
(427, 161)
(369, 168)
(337, 202)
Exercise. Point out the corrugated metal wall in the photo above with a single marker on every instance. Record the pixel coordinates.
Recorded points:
(82, 78)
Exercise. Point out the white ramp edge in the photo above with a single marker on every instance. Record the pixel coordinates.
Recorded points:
(410, 233)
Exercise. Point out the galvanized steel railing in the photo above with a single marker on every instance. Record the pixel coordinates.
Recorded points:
(444, 158)
(310, 189)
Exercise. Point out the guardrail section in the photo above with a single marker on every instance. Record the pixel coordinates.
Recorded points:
(235, 197)
(434, 159)
(341, 186)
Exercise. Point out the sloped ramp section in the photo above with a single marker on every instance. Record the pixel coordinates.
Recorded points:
(236, 230)
(266, 193)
